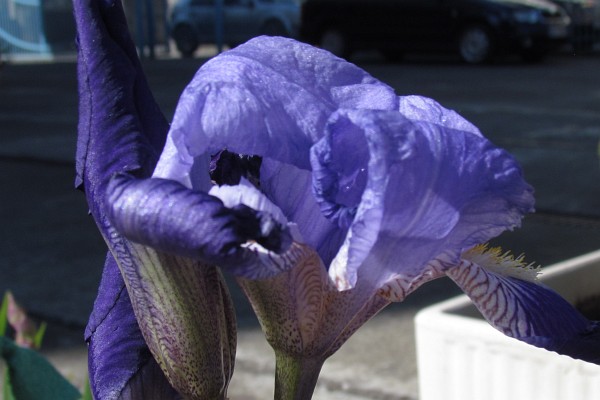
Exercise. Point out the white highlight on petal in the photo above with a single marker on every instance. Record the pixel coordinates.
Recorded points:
(247, 194)
(338, 271)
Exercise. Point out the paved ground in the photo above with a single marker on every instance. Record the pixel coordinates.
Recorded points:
(51, 255)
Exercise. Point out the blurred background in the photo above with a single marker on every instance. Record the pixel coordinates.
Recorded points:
(527, 75)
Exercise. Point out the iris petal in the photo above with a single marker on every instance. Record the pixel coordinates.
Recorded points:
(122, 130)
(419, 108)
(291, 189)
(120, 127)
(167, 216)
(264, 264)
(528, 311)
(115, 107)
(429, 190)
(272, 96)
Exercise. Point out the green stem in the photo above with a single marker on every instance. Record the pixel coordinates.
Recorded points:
(295, 378)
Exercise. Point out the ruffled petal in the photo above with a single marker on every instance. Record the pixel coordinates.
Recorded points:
(272, 96)
(419, 108)
(411, 191)
(528, 311)
(118, 354)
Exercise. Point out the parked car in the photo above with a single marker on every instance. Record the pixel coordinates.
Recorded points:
(475, 29)
(193, 22)
(585, 22)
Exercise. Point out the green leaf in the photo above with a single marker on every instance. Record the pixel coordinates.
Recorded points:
(39, 336)
(32, 377)
(87, 391)
(7, 393)
(4, 314)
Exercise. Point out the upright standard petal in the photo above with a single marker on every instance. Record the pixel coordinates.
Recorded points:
(411, 188)
(512, 301)
(291, 189)
(272, 97)
(419, 108)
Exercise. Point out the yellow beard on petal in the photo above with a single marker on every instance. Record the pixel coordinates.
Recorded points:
(503, 263)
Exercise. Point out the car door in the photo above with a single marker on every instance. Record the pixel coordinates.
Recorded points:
(417, 24)
(241, 20)
(202, 12)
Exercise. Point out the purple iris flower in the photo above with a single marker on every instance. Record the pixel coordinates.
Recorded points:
(383, 193)
(333, 197)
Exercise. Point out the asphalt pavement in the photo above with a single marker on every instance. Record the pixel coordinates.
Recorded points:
(51, 255)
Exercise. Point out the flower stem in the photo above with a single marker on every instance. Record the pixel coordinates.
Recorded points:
(295, 378)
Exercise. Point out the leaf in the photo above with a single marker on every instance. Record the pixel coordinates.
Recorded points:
(87, 391)
(4, 314)
(7, 393)
(32, 377)
(39, 336)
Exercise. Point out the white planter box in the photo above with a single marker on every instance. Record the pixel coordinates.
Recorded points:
(461, 357)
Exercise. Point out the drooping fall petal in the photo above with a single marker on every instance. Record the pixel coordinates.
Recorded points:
(513, 302)
(167, 216)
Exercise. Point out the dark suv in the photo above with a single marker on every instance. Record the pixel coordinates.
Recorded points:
(475, 29)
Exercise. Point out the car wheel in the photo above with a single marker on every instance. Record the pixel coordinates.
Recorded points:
(185, 40)
(475, 44)
(334, 41)
(274, 28)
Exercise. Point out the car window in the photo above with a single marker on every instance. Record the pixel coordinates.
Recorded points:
(245, 3)
(202, 2)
